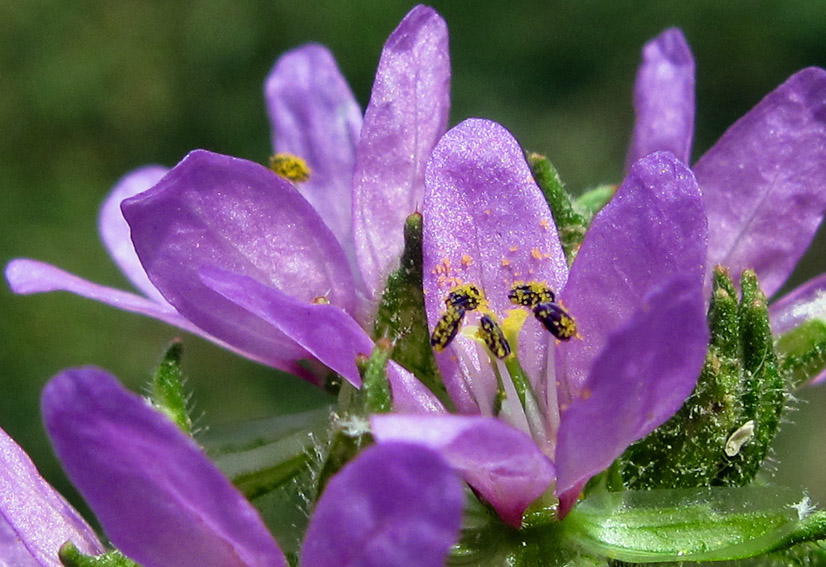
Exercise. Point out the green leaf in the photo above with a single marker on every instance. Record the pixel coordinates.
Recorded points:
(261, 455)
(802, 351)
(592, 201)
(167, 391)
(712, 524)
(350, 436)
(71, 556)
(570, 222)
(401, 315)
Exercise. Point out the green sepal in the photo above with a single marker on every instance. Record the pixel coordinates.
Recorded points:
(262, 455)
(486, 542)
(689, 449)
(802, 352)
(375, 387)
(351, 430)
(592, 200)
(71, 556)
(722, 433)
(571, 224)
(765, 391)
(350, 435)
(704, 524)
(401, 315)
(167, 389)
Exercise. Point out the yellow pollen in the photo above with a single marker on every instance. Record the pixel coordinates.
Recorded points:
(536, 253)
(514, 248)
(506, 262)
(545, 224)
(512, 324)
(290, 167)
(467, 260)
(321, 300)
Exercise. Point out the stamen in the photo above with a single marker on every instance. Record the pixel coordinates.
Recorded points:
(466, 297)
(531, 294)
(290, 167)
(493, 336)
(554, 317)
(446, 328)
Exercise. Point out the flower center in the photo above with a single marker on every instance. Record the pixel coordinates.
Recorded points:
(290, 167)
(468, 297)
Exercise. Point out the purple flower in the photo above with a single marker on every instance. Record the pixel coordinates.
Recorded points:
(162, 502)
(34, 519)
(634, 292)
(227, 249)
(762, 181)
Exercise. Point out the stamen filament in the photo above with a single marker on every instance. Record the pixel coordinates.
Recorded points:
(501, 394)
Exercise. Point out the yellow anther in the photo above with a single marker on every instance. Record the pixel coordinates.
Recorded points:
(466, 297)
(321, 300)
(290, 167)
(557, 320)
(530, 294)
(446, 328)
(491, 333)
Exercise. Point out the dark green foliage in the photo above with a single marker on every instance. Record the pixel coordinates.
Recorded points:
(721, 435)
(168, 388)
(71, 556)
(401, 316)
(570, 222)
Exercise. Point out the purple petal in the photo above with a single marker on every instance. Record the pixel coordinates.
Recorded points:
(31, 276)
(114, 231)
(315, 116)
(34, 519)
(649, 366)
(407, 113)
(485, 222)
(652, 230)
(328, 333)
(763, 181)
(397, 504)
(158, 497)
(214, 210)
(502, 463)
(664, 98)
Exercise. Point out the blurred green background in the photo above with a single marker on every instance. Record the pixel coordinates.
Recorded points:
(91, 90)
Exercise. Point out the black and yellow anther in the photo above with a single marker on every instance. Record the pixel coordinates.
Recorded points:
(490, 332)
(558, 322)
(458, 301)
(446, 328)
(530, 294)
(466, 297)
